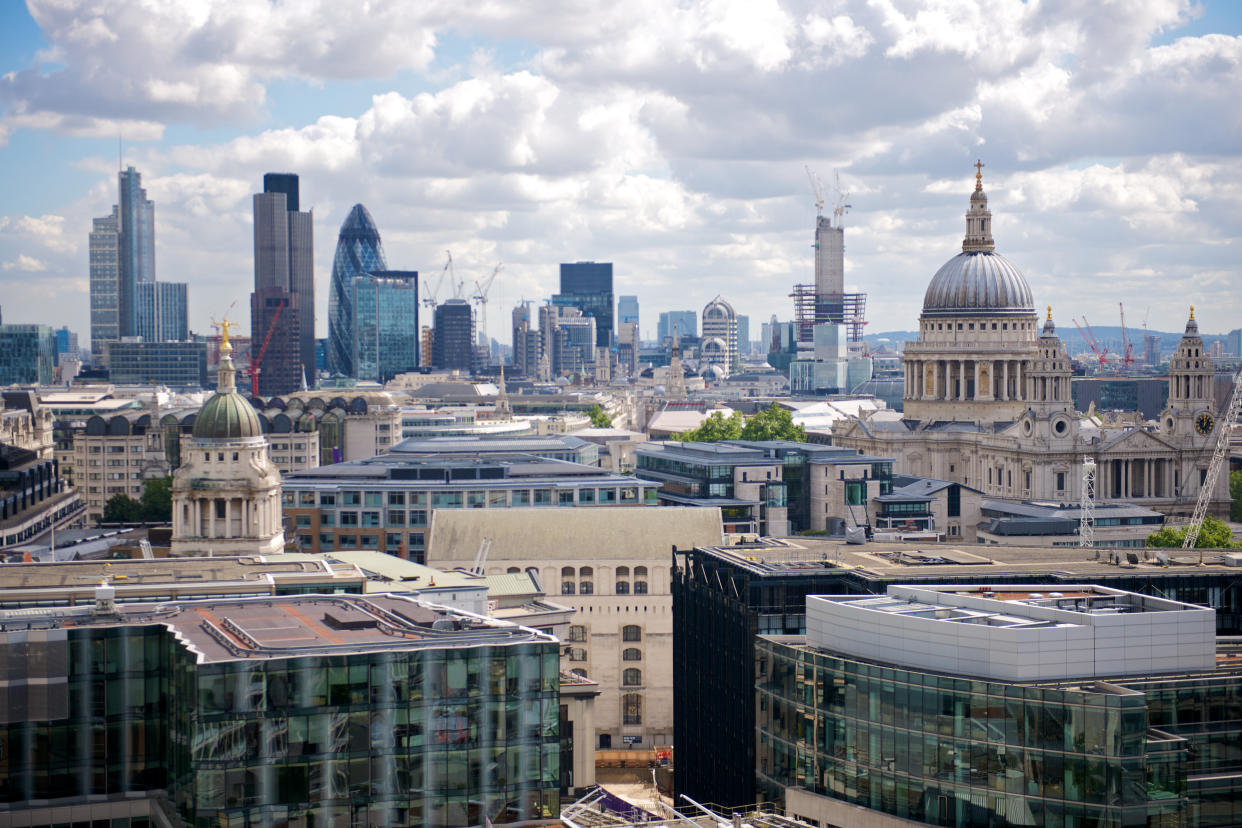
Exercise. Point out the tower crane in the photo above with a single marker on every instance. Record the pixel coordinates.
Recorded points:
(430, 299)
(838, 212)
(1221, 450)
(1088, 336)
(256, 362)
(480, 298)
(817, 187)
(1127, 350)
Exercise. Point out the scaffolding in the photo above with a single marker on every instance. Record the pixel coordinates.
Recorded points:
(811, 309)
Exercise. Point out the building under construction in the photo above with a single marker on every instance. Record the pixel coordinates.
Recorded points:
(826, 299)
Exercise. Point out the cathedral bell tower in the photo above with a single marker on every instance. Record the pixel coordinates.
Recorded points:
(1191, 412)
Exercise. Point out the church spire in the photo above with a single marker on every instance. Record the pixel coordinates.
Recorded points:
(225, 382)
(978, 219)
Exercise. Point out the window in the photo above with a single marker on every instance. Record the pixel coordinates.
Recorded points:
(1060, 481)
(585, 584)
(633, 677)
(220, 510)
(623, 580)
(632, 709)
(327, 499)
(371, 520)
(567, 580)
(577, 632)
(351, 498)
(374, 498)
(396, 498)
(631, 632)
(578, 671)
(565, 497)
(577, 654)
(640, 580)
(623, 587)
(631, 654)
(349, 518)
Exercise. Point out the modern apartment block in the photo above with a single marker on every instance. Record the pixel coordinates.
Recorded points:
(292, 710)
(1024, 704)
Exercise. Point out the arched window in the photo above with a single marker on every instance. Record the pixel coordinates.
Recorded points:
(631, 632)
(577, 654)
(623, 580)
(631, 654)
(513, 570)
(585, 583)
(567, 580)
(640, 580)
(578, 671)
(633, 677)
(632, 709)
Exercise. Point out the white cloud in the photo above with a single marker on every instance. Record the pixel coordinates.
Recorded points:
(25, 264)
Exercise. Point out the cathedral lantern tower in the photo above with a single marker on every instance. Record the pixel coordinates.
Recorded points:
(226, 493)
(1191, 412)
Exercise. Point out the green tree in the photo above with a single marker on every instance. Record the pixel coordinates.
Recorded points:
(1235, 492)
(1214, 534)
(715, 428)
(122, 508)
(599, 417)
(774, 423)
(157, 500)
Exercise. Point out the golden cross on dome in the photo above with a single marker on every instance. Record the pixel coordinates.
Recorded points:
(978, 175)
(1192, 313)
(1050, 313)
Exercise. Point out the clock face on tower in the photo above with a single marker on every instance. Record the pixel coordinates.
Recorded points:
(1204, 423)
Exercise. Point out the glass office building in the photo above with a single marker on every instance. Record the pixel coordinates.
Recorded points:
(588, 287)
(162, 314)
(175, 364)
(960, 748)
(385, 324)
(27, 354)
(296, 711)
(358, 252)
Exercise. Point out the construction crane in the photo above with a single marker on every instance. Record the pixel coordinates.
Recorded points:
(256, 362)
(1219, 453)
(1089, 337)
(1127, 350)
(480, 298)
(817, 187)
(430, 298)
(838, 212)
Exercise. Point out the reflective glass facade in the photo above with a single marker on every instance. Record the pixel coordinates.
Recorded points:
(358, 252)
(952, 751)
(162, 311)
(27, 353)
(412, 737)
(385, 324)
(588, 287)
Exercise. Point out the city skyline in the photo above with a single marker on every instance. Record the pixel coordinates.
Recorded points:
(1110, 149)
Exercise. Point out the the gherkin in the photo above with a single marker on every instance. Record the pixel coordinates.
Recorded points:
(358, 251)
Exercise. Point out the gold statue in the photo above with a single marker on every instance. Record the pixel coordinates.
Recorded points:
(223, 327)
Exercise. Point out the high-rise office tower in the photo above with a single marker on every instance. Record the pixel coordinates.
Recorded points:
(743, 335)
(385, 324)
(358, 252)
(162, 311)
(681, 323)
(284, 261)
(275, 341)
(587, 286)
(122, 256)
(452, 345)
(525, 342)
(104, 282)
(719, 347)
(136, 246)
(627, 309)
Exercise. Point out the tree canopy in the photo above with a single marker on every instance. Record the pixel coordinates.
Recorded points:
(1214, 534)
(155, 505)
(773, 423)
(599, 417)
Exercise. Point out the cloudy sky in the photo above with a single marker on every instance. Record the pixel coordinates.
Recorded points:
(668, 138)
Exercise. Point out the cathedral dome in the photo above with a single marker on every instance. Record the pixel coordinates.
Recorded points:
(978, 281)
(978, 284)
(227, 416)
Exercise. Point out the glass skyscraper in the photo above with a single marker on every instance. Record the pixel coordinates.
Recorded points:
(105, 290)
(162, 311)
(27, 354)
(683, 323)
(122, 256)
(452, 345)
(385, 324)
(283, 278)
(588, 287)
(358, 252)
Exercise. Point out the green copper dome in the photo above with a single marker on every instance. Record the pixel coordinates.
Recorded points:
(227, 416)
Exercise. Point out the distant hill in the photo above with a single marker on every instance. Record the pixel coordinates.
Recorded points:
(1108, 336)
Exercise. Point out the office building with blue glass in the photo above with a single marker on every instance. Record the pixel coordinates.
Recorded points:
(163, 311)
(311, 710)
(681, 323)
(384, 307)
(587, 286)
(358, 252)
(27, 354)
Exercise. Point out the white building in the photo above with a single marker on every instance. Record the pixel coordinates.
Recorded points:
(718, 348)
(226, 492)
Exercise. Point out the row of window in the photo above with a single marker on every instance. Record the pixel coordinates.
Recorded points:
(470, 499)
(585, 585)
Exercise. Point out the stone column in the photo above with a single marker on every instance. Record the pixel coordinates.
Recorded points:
(961, 379)
(978, 391)
(1005, 381)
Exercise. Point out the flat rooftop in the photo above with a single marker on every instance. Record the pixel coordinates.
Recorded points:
(289, 626)
(802, 556)
(87, 574)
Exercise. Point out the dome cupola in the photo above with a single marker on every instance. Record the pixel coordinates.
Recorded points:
(978, 281)
(227, 415)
